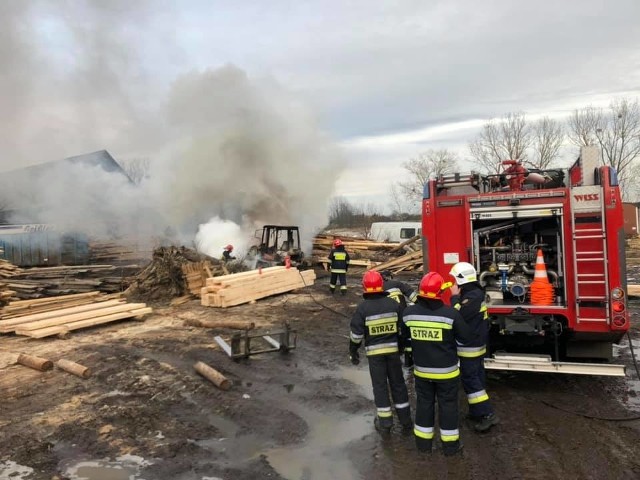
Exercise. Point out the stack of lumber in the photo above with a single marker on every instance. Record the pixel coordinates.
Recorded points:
(7, 271)
(238, 288)
(118, 252)
(59, 315)
(63, 280)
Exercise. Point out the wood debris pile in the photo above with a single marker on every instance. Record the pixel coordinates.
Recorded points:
(371, 255)
(173, 272)
(244, 287)
(119, 252)
(46, 317)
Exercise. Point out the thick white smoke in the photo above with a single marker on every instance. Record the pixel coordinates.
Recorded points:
(222, 145)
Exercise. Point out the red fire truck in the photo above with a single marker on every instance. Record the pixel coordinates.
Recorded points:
(499, 223)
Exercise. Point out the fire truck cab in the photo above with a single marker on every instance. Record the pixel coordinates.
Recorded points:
(500, 223)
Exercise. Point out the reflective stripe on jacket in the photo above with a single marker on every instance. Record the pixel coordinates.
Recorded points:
(376, 322)
(339, 260)
(471, 305)
(434, 328)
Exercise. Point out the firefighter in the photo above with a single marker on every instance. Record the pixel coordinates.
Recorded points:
(377, 321)
(338, 266)
(226, 254)
(404, 295)
(434, 329)
(468, 298)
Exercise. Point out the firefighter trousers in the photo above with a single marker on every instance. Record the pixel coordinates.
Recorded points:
(445, 393)
(474, 384)
(338, 277)
(386, 374)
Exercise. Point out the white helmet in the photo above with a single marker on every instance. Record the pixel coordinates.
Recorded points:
(464, 272)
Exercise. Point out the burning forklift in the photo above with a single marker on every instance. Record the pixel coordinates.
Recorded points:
(277, 243)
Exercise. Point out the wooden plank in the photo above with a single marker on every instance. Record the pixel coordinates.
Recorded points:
(4, 324)
(55, 330)
(633, 290)
(64, 319)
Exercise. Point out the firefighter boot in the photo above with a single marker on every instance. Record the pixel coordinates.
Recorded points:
(332, 289)
(423, 445)
(383, 426)
(404, 416)
(452, 450)
(486, 422)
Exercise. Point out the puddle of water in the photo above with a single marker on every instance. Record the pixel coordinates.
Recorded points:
(322, 457)
(126, 467)
(359, 376)
(12, 471)
(237, 449)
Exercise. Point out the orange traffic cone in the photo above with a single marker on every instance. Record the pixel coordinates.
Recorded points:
(541, 289)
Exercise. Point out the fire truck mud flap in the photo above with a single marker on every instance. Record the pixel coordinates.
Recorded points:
(542, 363)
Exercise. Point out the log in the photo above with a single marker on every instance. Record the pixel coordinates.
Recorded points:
(405, 243)
(37, 363)
(213, 376)
(74, 368)
(238, 325)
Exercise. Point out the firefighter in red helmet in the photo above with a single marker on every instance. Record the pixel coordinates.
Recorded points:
(226, 254)
(338, 266)
(435, 329)
(376, 321)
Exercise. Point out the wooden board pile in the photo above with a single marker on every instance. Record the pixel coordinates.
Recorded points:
(7, 271)
(370, 255)
(119, 252)
(46, 317)
(41, 282)
(238, 288)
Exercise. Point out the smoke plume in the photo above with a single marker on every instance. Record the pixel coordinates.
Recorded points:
(223, 146)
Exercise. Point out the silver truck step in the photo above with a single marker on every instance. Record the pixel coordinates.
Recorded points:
(524, 362)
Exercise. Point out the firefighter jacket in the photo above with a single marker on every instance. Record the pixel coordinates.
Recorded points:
(377, 322)
(434, 329)
(338, 260)
(400, 291)
(471, 305)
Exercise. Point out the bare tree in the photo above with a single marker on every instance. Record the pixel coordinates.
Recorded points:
(137, 169)
(583, 125)
(421, 168)
(401, 206)
(616, 131)
(504, 139)
(548, 138)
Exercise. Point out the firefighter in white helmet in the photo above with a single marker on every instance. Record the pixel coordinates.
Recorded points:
(468, 298)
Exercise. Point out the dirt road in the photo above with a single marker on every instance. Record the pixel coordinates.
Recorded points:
(146, 414)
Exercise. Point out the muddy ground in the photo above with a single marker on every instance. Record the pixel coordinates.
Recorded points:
(146, 414)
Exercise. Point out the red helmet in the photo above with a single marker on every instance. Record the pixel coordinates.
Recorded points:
(372, 282)
(229, 247)
(337, 242)
(431, 286)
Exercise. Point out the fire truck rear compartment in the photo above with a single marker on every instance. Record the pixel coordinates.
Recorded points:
(506, 253)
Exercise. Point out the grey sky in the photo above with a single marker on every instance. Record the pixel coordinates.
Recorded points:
(387, 79)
